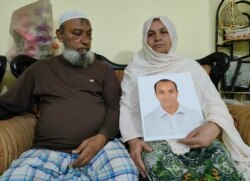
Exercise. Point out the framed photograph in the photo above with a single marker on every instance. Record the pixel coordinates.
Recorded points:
(169, 106)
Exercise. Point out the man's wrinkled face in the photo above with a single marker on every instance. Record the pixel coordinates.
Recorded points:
(76, 34)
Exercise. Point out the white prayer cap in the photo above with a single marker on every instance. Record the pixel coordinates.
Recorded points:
(72, 14)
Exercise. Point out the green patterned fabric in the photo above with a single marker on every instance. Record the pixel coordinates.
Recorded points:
(206, 164)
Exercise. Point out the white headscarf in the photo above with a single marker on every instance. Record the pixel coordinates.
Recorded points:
(149, 62)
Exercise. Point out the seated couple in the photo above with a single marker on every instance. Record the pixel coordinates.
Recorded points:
(78, 98)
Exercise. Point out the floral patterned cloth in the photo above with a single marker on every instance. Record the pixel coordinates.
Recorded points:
(205, 164)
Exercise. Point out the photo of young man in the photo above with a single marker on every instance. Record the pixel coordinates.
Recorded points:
(170, 119)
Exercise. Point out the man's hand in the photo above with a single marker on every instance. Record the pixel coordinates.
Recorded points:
(137, 146)
(88, 149)
(202, 136)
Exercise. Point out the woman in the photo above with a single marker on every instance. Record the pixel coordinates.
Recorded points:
(206, 158)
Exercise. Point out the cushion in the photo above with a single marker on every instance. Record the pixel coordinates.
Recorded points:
(241, 115)
(16, 136)
(119, 74)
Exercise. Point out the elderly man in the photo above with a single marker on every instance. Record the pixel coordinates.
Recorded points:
(78, 99)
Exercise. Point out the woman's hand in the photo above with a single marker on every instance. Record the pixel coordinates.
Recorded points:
(202, 136)
(136, 147)
(88, 149)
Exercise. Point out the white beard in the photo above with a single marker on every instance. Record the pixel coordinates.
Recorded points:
(79, 59)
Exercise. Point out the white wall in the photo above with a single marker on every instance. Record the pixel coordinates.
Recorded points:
(117, 24)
